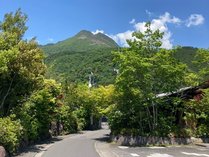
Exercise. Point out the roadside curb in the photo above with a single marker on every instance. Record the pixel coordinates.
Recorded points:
(43, 150)
(103, 151)
(203, 144)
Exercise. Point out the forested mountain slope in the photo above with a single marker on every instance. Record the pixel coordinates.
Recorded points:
(74, 59)
(81, 42)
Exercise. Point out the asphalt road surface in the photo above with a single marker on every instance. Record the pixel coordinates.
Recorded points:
(170, 151)
(80, 145)
(93, 144)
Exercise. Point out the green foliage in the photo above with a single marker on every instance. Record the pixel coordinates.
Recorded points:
(75, 58)
(76, 66)
(197, 116)
(88, 107)
(133, 105)
(45, 104)
(43, 108)
(146, 70)
(68, 119)
(89, 104)
(21, 61)
(201, 61)
(186, 55)
(39, 111)
(81, 42)
(10, 133)
(28, 120)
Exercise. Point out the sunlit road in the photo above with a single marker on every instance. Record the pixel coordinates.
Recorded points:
(171, 151)
(93, 144)
(81, 145)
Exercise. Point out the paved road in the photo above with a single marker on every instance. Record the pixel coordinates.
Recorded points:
(93, 144)
(81, 145)
(172, 151)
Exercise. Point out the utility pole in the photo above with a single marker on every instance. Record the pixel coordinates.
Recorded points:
(91, 84)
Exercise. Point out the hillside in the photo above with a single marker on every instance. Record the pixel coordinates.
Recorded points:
(76, 66)
(186, 55)
(75, 58)
(83, 41)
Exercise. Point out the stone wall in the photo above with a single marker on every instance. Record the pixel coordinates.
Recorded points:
(2, 152)
(145, 141)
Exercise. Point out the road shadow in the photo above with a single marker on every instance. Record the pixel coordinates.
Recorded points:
(37, 147)
(105, 138)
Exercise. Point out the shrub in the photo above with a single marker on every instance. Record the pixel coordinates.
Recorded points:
(68, 120)
(10, 133)
(27, 118)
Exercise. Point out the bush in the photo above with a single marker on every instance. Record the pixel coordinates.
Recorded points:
(27, 118)
(10, 133)
(68, 120)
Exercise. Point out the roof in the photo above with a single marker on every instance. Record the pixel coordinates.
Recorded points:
(186, 92)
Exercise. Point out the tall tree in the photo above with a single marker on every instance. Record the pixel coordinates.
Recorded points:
(21, 61)
(145, 70)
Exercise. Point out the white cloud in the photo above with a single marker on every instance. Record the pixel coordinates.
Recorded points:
(166, 41)
(158, 23)
(148, 13)
(98, 31)
(50, 40)
(140, 26)
(132, 21)
(121, 38)
(169, 19)
(194, 20)
(161, 23)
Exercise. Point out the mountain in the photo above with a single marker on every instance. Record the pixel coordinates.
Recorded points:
(83, 41)
(75, 58)
(186, 55)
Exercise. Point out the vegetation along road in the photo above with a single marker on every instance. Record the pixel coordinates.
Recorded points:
(142, 90)
(94, 144)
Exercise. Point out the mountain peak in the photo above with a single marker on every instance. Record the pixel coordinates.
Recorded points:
(82, 41)
(84, 32)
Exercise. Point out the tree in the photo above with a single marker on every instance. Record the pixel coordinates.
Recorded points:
(21, 61)
(201, 61)
(87, 107)
(145, 70)
(89, 104)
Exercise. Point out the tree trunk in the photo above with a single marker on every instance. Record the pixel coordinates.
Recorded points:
(7, 93)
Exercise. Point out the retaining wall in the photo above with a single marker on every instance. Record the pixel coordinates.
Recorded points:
(145, 141)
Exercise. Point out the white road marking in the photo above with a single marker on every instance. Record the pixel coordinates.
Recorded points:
(159, 155)
(133, 154)
(43, 150)
(122, 147)
(156, 147)
(195, 154)
(39, 154)
(171, 146)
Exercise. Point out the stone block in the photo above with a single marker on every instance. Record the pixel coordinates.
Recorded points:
(2, 152)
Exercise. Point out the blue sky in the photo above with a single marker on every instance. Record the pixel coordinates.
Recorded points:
(185, 22)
